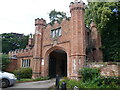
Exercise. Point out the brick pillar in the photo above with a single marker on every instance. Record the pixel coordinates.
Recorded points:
(96, 41)
(37, 51)
(78, 45)
(30, 42)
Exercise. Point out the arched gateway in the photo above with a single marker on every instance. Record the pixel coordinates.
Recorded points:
(57, 64)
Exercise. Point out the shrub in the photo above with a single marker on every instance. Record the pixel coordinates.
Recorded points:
(110, 81)
(89, 73)
(72, 83)
(91, 79)
(4, 61)
(24, 72)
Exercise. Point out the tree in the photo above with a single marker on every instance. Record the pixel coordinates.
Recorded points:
(56, 16)
(12, 41)
(106, 15)
(4, 62)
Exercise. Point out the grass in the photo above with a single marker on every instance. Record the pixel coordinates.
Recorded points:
(31, 80)
(24, 80)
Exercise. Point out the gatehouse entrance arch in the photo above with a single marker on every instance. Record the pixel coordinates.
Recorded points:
(57, 63)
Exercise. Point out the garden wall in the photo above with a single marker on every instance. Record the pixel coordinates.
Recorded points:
(107, 68)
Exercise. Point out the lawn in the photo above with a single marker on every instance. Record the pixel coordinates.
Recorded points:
(31, 80)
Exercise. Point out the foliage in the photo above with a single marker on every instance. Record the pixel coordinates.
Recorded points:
(100, 12)
(92, 80)
(5, 61)
(12, 41)
(25, 80)
(24, 72)
(56, 16)
(96, 83)
(110, 80)
(107, 23)
(89, 73)
(30, 79)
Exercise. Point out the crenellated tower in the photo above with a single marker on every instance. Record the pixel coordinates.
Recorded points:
(78, 45)
(37, 55)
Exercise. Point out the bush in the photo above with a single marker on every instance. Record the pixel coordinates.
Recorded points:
(72, 83)
(110, 81)
(91, 79)
(4, 61)
(24, 72)
(89, 73)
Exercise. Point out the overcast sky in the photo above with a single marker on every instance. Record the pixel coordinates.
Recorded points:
(18, 15)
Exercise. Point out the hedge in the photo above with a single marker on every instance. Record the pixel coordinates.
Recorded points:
(24, 72)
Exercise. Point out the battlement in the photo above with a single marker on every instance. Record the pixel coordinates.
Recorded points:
(40, 22)
(77, 5)
(17, 51)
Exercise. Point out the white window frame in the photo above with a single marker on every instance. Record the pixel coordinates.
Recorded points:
(56, 32)
(25, 63)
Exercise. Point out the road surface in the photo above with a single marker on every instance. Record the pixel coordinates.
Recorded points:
(39, 85)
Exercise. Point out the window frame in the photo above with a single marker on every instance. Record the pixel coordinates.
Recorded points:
(56, 32)
(25, 63)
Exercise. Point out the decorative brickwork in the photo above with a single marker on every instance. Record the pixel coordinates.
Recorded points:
(80, 44)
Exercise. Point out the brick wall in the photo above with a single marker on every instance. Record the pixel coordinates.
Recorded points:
(12, 66)
(110, 70)
(107, 68)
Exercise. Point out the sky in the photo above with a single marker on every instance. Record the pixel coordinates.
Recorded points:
(18, 16)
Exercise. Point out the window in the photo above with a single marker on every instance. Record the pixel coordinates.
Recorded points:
(56, 32)
(25, 62)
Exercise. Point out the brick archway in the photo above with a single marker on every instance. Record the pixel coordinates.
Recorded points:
(54, 48)
(57, 63)
(55, 52)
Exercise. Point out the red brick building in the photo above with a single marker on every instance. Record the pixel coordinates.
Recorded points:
(62, 48)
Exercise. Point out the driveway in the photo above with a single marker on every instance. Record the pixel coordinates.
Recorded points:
(30, 85)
